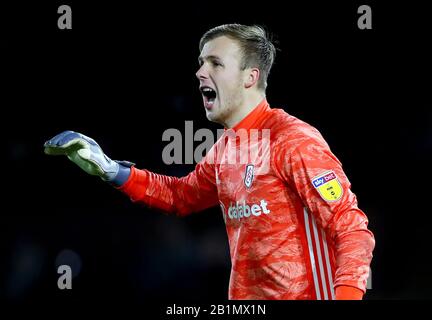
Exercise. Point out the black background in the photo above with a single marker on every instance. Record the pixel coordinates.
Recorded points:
(126, 72)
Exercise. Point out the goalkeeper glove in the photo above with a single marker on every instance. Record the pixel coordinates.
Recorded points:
(88, 155)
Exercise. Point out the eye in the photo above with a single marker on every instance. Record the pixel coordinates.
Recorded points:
(217, 64)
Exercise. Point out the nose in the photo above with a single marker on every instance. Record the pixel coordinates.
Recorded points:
(202, 73)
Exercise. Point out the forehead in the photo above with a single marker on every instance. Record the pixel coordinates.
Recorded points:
(222, 47)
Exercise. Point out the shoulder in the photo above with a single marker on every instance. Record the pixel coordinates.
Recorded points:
(288, 130)
(296, 142)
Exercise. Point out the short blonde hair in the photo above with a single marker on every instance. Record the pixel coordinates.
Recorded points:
(257, 49)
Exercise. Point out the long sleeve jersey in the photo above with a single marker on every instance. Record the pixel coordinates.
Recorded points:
(294, 227)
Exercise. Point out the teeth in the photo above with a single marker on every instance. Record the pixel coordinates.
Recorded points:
(209, 93)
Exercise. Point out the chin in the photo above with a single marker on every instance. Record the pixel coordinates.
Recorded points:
(211, 116)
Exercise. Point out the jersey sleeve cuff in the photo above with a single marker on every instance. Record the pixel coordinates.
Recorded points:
(348, 293)
(123, 173)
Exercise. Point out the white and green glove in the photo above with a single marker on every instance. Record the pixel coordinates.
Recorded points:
(88, 155)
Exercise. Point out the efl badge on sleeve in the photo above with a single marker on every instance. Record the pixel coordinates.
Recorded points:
(249, 175)
(328, 186)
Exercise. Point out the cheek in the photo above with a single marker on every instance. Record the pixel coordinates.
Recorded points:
(229, 79)
(229, 85)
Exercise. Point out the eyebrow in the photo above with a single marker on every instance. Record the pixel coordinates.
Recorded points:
(210, 57)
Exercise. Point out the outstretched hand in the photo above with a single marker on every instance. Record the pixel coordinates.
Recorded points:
(84, 152)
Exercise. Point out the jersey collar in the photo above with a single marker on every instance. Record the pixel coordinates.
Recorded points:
(253, 117)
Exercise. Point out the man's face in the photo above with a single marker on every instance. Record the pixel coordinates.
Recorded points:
(221, 80)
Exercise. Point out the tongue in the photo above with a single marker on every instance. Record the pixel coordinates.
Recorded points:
(209, 103)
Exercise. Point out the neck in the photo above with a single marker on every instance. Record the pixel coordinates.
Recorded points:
(249, 103)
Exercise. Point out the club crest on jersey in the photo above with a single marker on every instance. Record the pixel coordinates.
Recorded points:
(328, 186)
(249, 175)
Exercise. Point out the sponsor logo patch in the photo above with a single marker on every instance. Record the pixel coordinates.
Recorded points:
(241, 210)
(328, 186)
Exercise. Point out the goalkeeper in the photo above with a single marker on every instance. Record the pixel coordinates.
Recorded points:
(293, 224)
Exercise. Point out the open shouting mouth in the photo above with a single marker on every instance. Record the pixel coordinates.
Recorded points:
(209, 96)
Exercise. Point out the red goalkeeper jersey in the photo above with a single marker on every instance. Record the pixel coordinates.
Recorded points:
(293, 224)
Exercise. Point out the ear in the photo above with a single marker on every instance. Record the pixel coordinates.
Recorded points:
(252, 76)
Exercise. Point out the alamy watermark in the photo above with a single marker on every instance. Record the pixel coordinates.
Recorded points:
(364, 22)
(65, 19)
(65, 280)
(226, 147)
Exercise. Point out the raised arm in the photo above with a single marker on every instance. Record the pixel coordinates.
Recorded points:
(181, 196)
